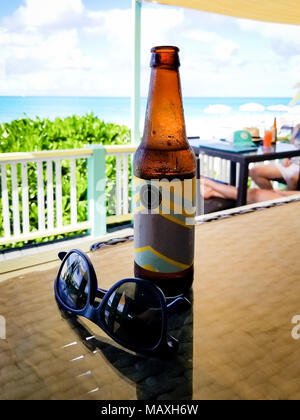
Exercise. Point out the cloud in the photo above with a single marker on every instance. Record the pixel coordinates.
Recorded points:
(61, 47)
(225, 50)
(42, 51)
(47, 13)
(201, 36)
(51, 45)
(284, 39)
(218, 48)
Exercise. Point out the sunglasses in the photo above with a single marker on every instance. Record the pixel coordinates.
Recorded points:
(133, 312)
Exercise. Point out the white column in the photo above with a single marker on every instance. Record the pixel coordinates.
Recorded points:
(135, 96)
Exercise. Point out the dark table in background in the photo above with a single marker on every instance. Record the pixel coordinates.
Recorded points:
(281, 151)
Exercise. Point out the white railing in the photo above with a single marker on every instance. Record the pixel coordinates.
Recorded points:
(16, 223)
(219, 169)
(123, 155)
(214, 167)
(16, 199)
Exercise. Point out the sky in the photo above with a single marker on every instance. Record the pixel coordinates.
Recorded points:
(84, 48)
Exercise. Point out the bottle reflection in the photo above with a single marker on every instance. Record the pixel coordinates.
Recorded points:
(155, 378)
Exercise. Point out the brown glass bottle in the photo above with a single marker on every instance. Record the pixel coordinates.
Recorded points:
(164, 238)
(275, 131)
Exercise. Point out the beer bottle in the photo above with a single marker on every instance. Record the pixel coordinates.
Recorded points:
(275, 130)
(164, 183)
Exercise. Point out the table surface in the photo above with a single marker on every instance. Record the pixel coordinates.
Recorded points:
(281, 150)
(236, 340)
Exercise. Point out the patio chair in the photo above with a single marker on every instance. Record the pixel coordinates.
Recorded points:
(212, 205)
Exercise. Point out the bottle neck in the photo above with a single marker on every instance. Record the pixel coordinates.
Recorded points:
(164, 122)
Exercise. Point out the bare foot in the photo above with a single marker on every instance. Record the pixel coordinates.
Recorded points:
(207, 190)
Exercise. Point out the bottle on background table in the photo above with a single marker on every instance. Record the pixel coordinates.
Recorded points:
(275, 132)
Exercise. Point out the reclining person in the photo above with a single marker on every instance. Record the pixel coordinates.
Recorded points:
(288, 170)
(262, 176)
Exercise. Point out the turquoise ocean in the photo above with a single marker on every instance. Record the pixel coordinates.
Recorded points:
(204, 116)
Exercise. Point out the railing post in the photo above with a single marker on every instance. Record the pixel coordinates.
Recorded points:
(96, 190)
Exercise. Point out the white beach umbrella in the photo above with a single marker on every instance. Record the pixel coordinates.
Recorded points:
(278, 108)
(294, 110)
(252, 107)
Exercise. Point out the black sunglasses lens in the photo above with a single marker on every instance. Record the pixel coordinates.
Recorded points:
(133, 314)
(73, 281)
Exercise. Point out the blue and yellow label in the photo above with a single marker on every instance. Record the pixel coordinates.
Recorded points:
(164, 219)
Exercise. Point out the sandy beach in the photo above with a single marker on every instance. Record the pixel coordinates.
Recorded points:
(222, 125)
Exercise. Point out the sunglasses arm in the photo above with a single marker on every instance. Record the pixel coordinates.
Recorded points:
(61, 255)
(179, 304)
(101, 293)
(169, 346)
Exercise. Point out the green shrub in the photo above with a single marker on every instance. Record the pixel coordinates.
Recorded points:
(27, 135)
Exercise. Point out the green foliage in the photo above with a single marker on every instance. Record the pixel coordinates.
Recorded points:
(27, 135)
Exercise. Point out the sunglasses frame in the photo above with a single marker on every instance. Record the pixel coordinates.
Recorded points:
(93, 310)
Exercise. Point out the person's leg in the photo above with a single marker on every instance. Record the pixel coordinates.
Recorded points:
(256, 195)
(262, 175)
(210, 188)
(288, 193)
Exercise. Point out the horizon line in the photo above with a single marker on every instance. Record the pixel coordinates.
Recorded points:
(142, 97)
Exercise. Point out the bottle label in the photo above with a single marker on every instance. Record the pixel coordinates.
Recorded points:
(164, 224)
